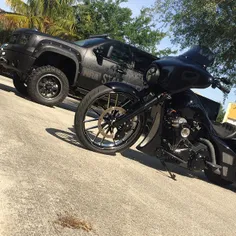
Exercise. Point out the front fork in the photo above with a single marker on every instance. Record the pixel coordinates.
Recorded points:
(139, 108)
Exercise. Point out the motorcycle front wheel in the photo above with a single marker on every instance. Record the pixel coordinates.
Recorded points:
(95, 115)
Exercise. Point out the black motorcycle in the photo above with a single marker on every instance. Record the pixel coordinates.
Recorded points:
(166, 115)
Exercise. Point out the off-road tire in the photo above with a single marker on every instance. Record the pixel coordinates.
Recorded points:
(19, 85)
(33, 81)
(79, 123)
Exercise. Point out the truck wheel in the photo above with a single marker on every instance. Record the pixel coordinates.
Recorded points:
(19, 85)
(48, 85)
(216, 179)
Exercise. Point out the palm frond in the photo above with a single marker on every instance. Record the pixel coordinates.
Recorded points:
(14, 21)
(18, 6)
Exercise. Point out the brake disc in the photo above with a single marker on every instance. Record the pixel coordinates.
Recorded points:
(111, 113)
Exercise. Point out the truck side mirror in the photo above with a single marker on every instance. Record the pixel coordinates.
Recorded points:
(99, 51)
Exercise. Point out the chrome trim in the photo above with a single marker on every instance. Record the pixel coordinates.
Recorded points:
(155, 113)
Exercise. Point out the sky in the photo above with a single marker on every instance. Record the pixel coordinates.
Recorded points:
(3, 5)
(136, 6)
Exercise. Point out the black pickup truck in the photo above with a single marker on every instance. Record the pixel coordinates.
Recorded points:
(48, 68)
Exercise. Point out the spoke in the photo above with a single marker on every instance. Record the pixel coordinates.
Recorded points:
(95, 111)
(41, 83)
(54, 89)
(104, 125)
(126, 103)
(96, 136)
(42, 90)
(108, 102)
(104, 136)
(87, 121)
(117, 95)
(93, 127)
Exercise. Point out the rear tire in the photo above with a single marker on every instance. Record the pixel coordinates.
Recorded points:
(216, 179)
(48, 85)
(80, 129)
(19, 85)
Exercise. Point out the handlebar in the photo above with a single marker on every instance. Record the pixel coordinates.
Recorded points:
(223, 88)
(226, 81)
(221, 83)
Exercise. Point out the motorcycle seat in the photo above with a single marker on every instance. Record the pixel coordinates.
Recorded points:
(225, 130)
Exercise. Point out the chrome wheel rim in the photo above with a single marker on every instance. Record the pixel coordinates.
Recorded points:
(100, 117)
(49, 86)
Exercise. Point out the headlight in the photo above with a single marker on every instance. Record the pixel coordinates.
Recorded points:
(152, 75)
(24, 39)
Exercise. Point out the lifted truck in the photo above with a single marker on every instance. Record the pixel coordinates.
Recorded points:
(48, 68)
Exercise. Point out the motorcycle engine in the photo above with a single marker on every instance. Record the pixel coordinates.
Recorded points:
(179, 138)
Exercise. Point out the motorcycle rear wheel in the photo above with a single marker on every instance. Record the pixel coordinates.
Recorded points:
(94, 117)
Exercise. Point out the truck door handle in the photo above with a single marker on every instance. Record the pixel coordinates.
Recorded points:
(121, 71)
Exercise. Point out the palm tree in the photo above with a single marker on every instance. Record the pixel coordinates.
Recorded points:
(55, 17)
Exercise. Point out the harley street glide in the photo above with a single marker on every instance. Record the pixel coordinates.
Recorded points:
(166, 116)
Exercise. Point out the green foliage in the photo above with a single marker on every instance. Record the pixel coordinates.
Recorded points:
(221, 114)
(73, 20)
(107, 16)
(55, 17)
(143, 33)
(206, 22)
(102, 16)
(4, 34)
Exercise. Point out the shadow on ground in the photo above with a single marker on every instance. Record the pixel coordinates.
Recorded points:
(150, 161)
(68, 137)
(10, 89)
(154, 162)
(69, 104)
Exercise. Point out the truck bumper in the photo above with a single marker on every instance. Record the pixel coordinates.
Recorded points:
(16, 61)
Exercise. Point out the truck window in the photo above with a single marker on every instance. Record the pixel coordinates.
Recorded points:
(121, 54)
(142, 60)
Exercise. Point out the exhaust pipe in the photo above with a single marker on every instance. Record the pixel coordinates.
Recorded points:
(213, 164)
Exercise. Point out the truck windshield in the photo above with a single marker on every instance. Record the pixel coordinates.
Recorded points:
(90, 42)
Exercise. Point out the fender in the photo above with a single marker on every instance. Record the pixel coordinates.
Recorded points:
(59, 49)
(117, 87)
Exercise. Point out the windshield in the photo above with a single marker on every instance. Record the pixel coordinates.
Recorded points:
(201, 55)
(90, 42)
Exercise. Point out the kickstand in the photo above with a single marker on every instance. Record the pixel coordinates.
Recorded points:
(172, 176)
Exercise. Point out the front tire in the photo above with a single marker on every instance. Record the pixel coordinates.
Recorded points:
(216, 179)
(19, 85)
(99, 114)
(48, 85)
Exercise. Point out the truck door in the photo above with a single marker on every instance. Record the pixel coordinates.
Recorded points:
(112, 63)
